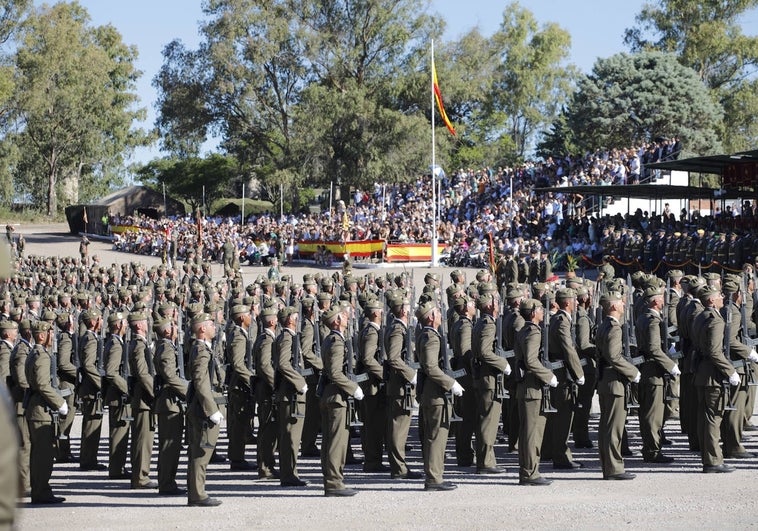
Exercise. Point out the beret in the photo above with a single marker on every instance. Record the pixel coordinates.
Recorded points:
(115, 317)
(513, 293)
(396, 302)
(461, 302)
(485, 300)
(711, 276)
(91, 314)
(61, 319)
(529, 305)
(270, 311)
(324, 296)
(307, 302)
(730, 286)
(33, 298)
(539, 286)
(373, 305)
(706, 292)
(611, 296)
(24, 324)
(452, 289)
(487, 287)
(432, 276)
(137, 306)
(48, 315)
(581, 291)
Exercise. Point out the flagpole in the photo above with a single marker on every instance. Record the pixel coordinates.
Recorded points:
(435, 260)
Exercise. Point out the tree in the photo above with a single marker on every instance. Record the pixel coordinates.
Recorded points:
(530, 84)
(73, 100)
(706, 36)
(629, 99)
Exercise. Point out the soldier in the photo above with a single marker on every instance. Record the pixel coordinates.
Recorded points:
(461, 334)
(117, 396)
(713, 368)
(688, 309)
(336, 389)
(400, 388)
(654, 369)
(90, 389)
(739, 355)
(615, 372)
(488, 368)
(533, 376)
(587, 352)
(310, 346)
(203, 414)
(433, 385)
(18, 386)
(142, 372)
(170, 405)
(264, 393)
(290, 396)
(44, 404)
(507, 269)
(571, 375)
(241, 409)
(371, 361)
(511, 323)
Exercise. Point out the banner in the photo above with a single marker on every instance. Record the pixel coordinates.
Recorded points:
(359, 248)
(411, 252)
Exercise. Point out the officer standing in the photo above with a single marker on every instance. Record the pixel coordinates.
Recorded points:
(588, 352)
(203, 414)
(461, 335)
(18, 386)
(532, 376)
(615, 372)
(67, 367)
(44, 402)
(310, 346)
(336, 389)
(239, 356)
(263, 350)
(290, 396)
(90, 387)
(433, 384)
(170, 405)
(143, 429)
(117, 396)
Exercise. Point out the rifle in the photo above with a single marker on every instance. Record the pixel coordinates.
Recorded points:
(101, 370)
(500, 391)
(57, 434)
(451, 399)
(352, 412)
(124, 415)
(729, 398)
(750, 379)
(296, 364)
(408, 360)
(546, 405)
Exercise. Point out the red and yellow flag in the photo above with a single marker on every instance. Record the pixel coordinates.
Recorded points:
(438, 99)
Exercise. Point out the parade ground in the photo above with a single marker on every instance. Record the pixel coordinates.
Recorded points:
(663, 496)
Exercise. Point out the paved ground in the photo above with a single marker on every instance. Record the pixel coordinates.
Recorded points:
(663, 496)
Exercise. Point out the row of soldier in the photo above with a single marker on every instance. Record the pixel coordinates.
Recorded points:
(265, 350)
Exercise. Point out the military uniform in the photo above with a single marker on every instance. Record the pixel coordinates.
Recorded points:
(264, 394)
(615, 372)
(291, 404)
(657, 364)
(588, 352)
(312, 360)
(371, 362)
(461, 334)
(688, 310)
(18, 386)
(240, 394)
(337, 387)
(119, 408)
(90, 392)
(487, 367)
(44, 401)
(67, 367)
(731, 426)
(512, 322)
(170, 405)
(8, 459)
(143, 427)
(398, 391)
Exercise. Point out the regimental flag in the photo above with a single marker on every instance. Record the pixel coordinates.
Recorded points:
(438, 99)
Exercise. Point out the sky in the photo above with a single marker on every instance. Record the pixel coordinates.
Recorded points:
(596, 29)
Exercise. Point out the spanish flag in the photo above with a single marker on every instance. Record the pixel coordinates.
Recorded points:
(438, 99)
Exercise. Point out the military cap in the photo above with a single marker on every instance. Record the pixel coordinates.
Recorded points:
(513, 293)
(349, 280)
(424, 298)
(24, 324)
(307, 302)
(452, 289)
(373, 305)
(7, 324)
(485, 300)
(330, 315)
(308, 277)
(160, 324)
(730, 286)
(344, 297)
(711, 276)
(19, 300)
(286, 312)
(15, 313)
(487, 287)
(675, 273)
(324, 296)
(327, 283)
(91, 314)
(269, 311)
(481, 274)
(461, 302)
(539, 286)
(706, 292)
(136, 316)
(48, 315)
(611, 296)
(397, 302)
(432, 276)
(379, 281)
(652, 291)
(424, 310)
(565, 294)
(455, 273)
(196, 287)
(527, 306)
(33, 298)
(239, 309)
(280, 285)
(115, 317)
(271, 303)
(40, 326)
(581, 291)
(201, 317)
(686, 279)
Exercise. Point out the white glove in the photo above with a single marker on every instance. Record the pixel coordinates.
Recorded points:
(358, 394)
(63, 410)
(637, 378)
(734, 379)
(675, 371)
(216, 418)
(304, 389)
(553, 381)
(457, 389)
(753, 356)
(508, 369)
(415, 378)
(580, 381)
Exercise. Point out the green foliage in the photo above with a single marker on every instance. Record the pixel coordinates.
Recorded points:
(628, 99)
(252, 206)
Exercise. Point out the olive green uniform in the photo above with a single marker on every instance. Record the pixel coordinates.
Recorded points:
(8, 458)
(399, 391)
(291, 403)
(241, 406)
(67, 366)
(90, 392)
(312, 360)
(731, 427)
(374, 404)
(18, 385)
(143, 427)
(461, 334)
(587, 351)
(117, 398)
(264, 394)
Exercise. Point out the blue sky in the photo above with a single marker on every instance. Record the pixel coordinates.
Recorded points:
(596, 29)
